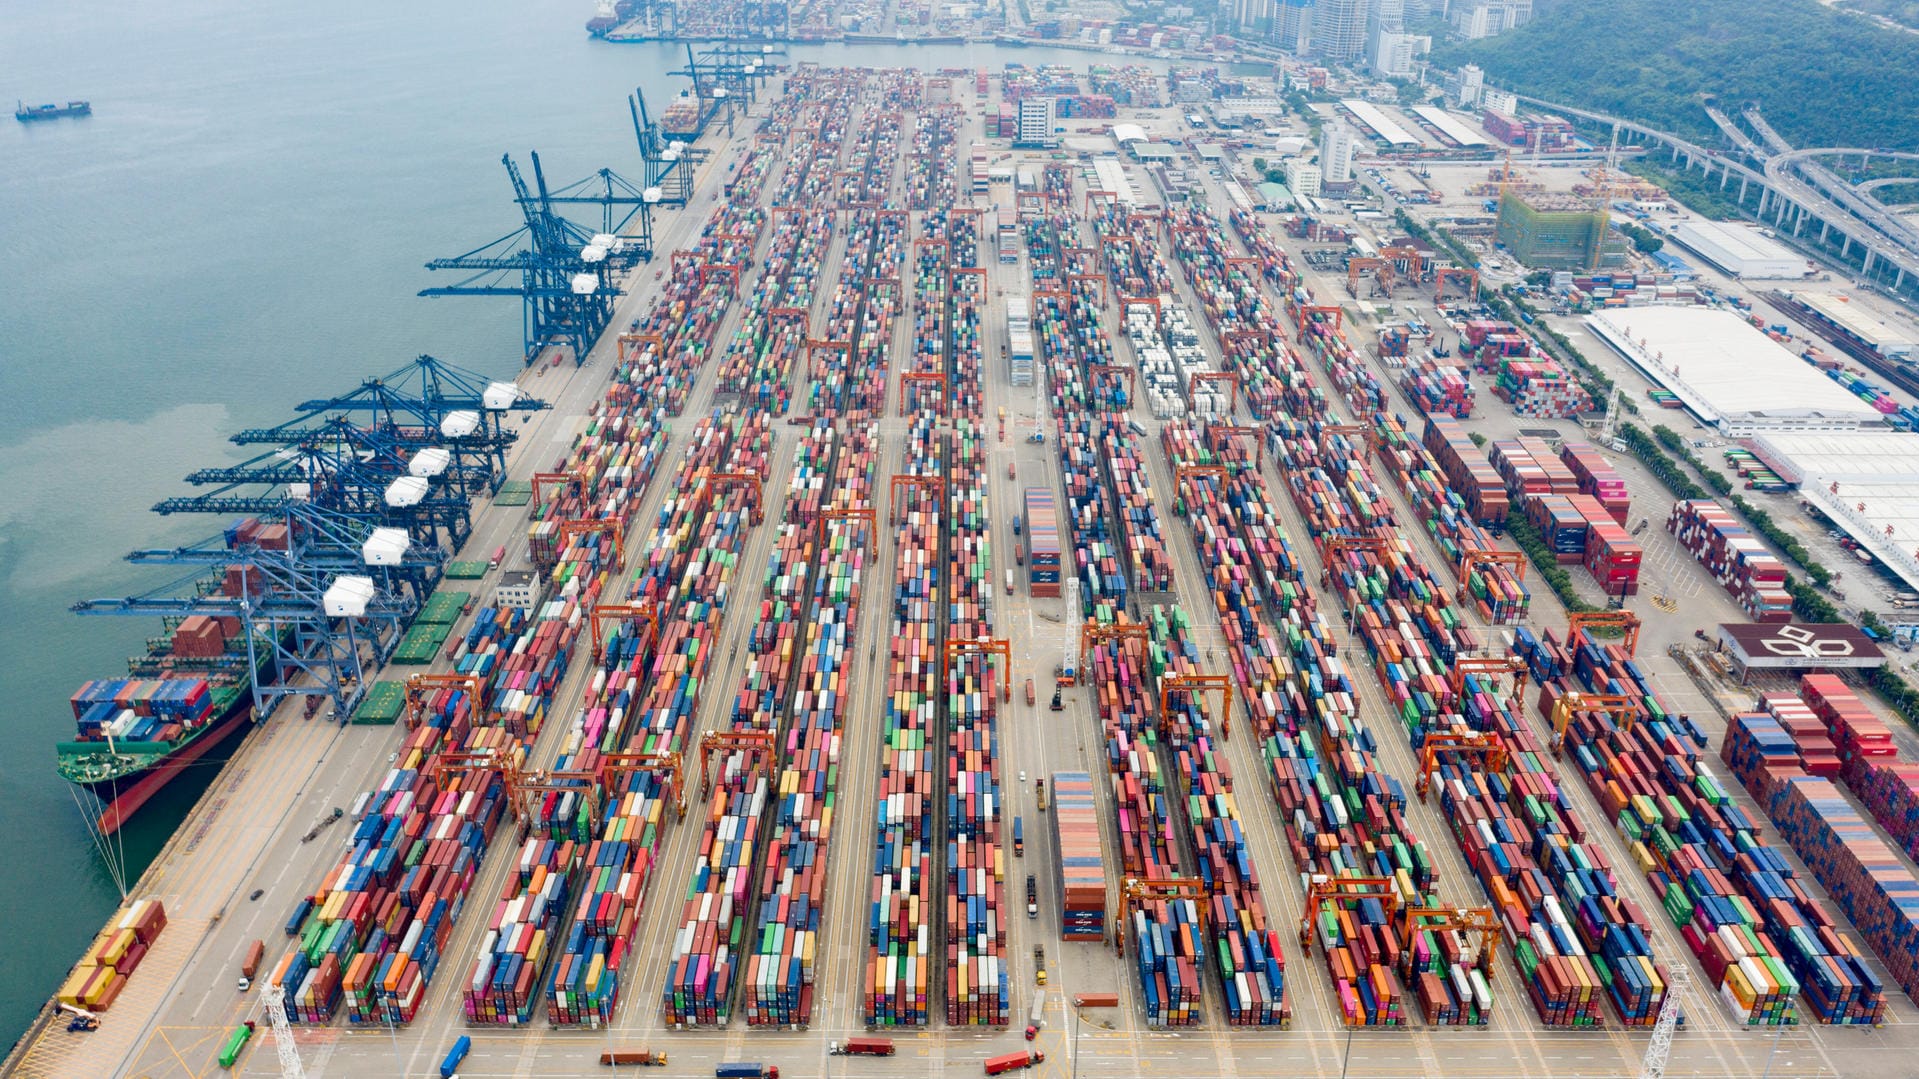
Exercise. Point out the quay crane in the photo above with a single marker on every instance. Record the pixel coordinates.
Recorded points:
(566, 271)
(425, 404)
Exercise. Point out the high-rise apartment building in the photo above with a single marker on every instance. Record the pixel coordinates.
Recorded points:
(1337, 145)
(1339, 29)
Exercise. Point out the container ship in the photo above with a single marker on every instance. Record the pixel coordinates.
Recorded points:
(136, 734)
(682, 117)
(26, 113)
(189, 693)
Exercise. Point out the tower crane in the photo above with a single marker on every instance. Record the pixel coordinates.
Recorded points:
(1659, 1049)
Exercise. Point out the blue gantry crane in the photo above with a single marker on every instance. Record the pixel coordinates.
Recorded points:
(315, 612)
(565, 272)
(347, 468)
(426, 404)
(669, 163)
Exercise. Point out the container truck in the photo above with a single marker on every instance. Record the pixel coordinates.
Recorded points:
(746, 1071)
(250, 964)
(236, 1041)
(1032, 896)
(647, 1057)
(1007, 1062)
(862, 1047)
(450, 1064)
(1019, 825)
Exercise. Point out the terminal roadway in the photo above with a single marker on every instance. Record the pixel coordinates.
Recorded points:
(245, 834)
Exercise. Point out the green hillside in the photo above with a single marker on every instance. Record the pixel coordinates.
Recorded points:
(1823, 78)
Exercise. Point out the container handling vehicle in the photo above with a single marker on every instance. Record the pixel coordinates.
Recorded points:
(746, 1071)
(1007, 1062)
(861, 1047)
(1019, 837)
(646, 1057)
(450, 1066)
(250, 964)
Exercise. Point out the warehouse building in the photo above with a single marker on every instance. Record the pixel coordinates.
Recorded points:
(1555, 232)
(1374, 119)
(1740, 251)
(1855, 323)
(1866, 483)
(1730, 375)
(1451, 129)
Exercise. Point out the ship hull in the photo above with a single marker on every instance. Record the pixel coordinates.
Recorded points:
(124, 795)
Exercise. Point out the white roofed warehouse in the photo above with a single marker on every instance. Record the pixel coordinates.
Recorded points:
(1729, 374)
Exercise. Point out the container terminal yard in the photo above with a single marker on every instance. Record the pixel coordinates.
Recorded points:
(1009, 619)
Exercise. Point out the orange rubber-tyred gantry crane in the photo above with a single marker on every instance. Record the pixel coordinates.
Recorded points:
(420, 686)
(1466, 743)
(584, 527)
(1343, 889)
(1624, 621)
(1624, 710)
(1219, 435)
(1308, 311)
(633, 344)
(1492, 666)
(1481, 920)
(1439, 282)
(1188, 683)
(936, 484)
(1092, 633)
(1135, 891)
(645, 611)
(669, 764)
(1478, 556)
(986, 647)
(757, 745)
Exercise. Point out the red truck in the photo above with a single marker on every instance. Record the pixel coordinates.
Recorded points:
(1025, 1058)
(862, 1047)
(250, 964)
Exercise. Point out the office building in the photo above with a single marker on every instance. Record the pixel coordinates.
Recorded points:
(1035, 120)
(1303, 178)
(1337, 145)
(1339, 30)
(1474, 19)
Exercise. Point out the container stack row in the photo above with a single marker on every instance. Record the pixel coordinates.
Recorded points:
(1099, 563)
(1437, 387)
(1244, 941)
(1342, 814)
(1142, 547)
(978, 983)
(1496, 593)
(932, 173)
(504, 983)
(100, 976)
(1731, 895)
(1476, 481)
(722, 891)
(1080, 858)
(783, 954)
(1598, 478)
(1736, 557)
(415, 845)
(1164, 937)
(1395, 605)
(773, 327)
(903, 889)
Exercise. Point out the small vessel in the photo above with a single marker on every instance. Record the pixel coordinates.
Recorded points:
(26, 113)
